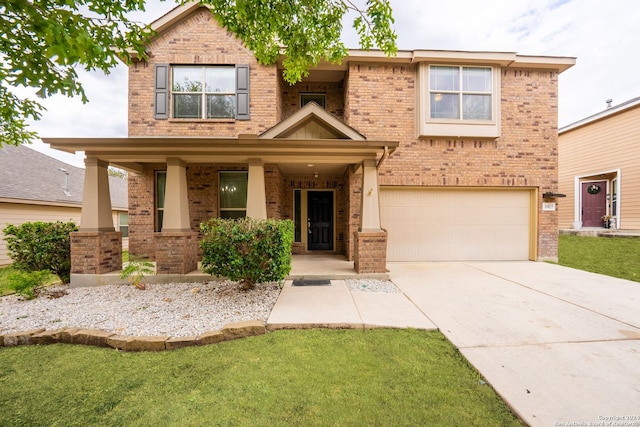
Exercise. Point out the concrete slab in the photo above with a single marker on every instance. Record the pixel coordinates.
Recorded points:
(606, 295)
(386, 310)
(326, 266)
(561, 346)
(310, 306)
(567, 383)
(476, 308)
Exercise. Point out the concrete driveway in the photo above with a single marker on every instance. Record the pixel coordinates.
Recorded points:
(561, 346)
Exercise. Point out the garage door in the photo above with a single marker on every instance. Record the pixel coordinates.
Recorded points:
(456, 225)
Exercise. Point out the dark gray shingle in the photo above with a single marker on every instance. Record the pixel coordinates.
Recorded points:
(28, 174)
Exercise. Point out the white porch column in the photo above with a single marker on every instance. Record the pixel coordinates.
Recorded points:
(176, 201)
(96, 199)
(370, 207)
(256, 193)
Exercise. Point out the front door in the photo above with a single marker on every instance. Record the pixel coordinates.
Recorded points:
(594, 203)
(320, 220)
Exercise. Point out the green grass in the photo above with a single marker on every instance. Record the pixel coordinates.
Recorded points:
(310, 378)
(616, 257)
(4, 280)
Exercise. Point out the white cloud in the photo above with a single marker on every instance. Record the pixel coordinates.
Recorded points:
(603, 35)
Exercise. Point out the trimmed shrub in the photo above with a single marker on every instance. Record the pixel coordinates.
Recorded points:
(247, 250)
(35, 246)
(27, 283)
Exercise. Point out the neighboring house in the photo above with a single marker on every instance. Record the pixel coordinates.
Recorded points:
(428, 155)
(599, 169)
(36, 187)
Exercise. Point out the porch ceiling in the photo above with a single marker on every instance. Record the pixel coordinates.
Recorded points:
(130, 153)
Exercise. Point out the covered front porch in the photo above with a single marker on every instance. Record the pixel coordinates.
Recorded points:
(310, 168)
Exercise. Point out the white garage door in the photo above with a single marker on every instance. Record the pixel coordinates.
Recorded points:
(455, 225)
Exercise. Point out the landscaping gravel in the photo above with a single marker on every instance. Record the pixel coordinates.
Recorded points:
(173, 309)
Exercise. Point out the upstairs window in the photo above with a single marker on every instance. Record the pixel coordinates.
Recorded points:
(201, 92)
(458, 101)
(460, 93)
(204, 92)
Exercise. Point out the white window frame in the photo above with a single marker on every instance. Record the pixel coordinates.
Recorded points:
(203, 93)
(123, 224)
(440, 127)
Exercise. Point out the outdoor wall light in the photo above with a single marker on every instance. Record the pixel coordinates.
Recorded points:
(552, 195)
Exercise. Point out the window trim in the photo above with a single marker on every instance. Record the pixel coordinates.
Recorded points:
(220, 209)
(427, 126)
(157, 225)
(203, 93)
(314, 94)
(125, 225)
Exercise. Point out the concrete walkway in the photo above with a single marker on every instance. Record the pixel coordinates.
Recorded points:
(559, 345)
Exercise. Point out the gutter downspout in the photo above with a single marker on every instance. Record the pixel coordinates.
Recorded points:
(385, 154)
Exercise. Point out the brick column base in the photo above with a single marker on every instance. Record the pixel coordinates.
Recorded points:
(370, 252)
(176, 252)
(96, 252)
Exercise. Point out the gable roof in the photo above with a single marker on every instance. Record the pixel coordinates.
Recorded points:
(324, 123)
(28, 175)
(616, 109)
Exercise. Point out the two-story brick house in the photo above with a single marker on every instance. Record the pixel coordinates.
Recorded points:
(429, 155)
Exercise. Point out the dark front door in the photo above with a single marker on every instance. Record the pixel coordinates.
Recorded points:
(320, 221)
(594, 203)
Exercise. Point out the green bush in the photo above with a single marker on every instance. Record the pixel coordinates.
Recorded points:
(35, 246)
(247, 250)
(26, 283)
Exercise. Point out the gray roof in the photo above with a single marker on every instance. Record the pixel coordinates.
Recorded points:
(27, 174)
(602, 114)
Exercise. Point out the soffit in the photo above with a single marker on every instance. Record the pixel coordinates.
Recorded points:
(131, 152)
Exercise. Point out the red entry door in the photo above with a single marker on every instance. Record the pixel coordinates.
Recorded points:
(594, 204)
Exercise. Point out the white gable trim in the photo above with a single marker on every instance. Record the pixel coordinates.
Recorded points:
(314, 112)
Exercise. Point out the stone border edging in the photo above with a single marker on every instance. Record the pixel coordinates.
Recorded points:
(101, 338)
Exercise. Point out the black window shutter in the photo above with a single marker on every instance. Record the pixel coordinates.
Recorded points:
(242, 92)
(162, 91)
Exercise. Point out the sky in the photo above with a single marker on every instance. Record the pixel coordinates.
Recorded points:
(604, 36)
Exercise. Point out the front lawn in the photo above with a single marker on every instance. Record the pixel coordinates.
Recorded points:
(311, 377)
(612, 256)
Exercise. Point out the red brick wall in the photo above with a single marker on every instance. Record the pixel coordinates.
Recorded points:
(274, 187)
(333, 90)
(354, 182)
(176, 252)
(200, 40)
(96, 252)
(371, 252)
(525, 155)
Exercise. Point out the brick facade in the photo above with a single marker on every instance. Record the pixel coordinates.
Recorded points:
(199, 40)
(525, 155)
(96, 252)
(334, 92)
(176, 252)
(371, 252)
(378, 100)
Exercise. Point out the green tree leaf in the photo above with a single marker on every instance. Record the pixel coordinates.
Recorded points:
(44, 42)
